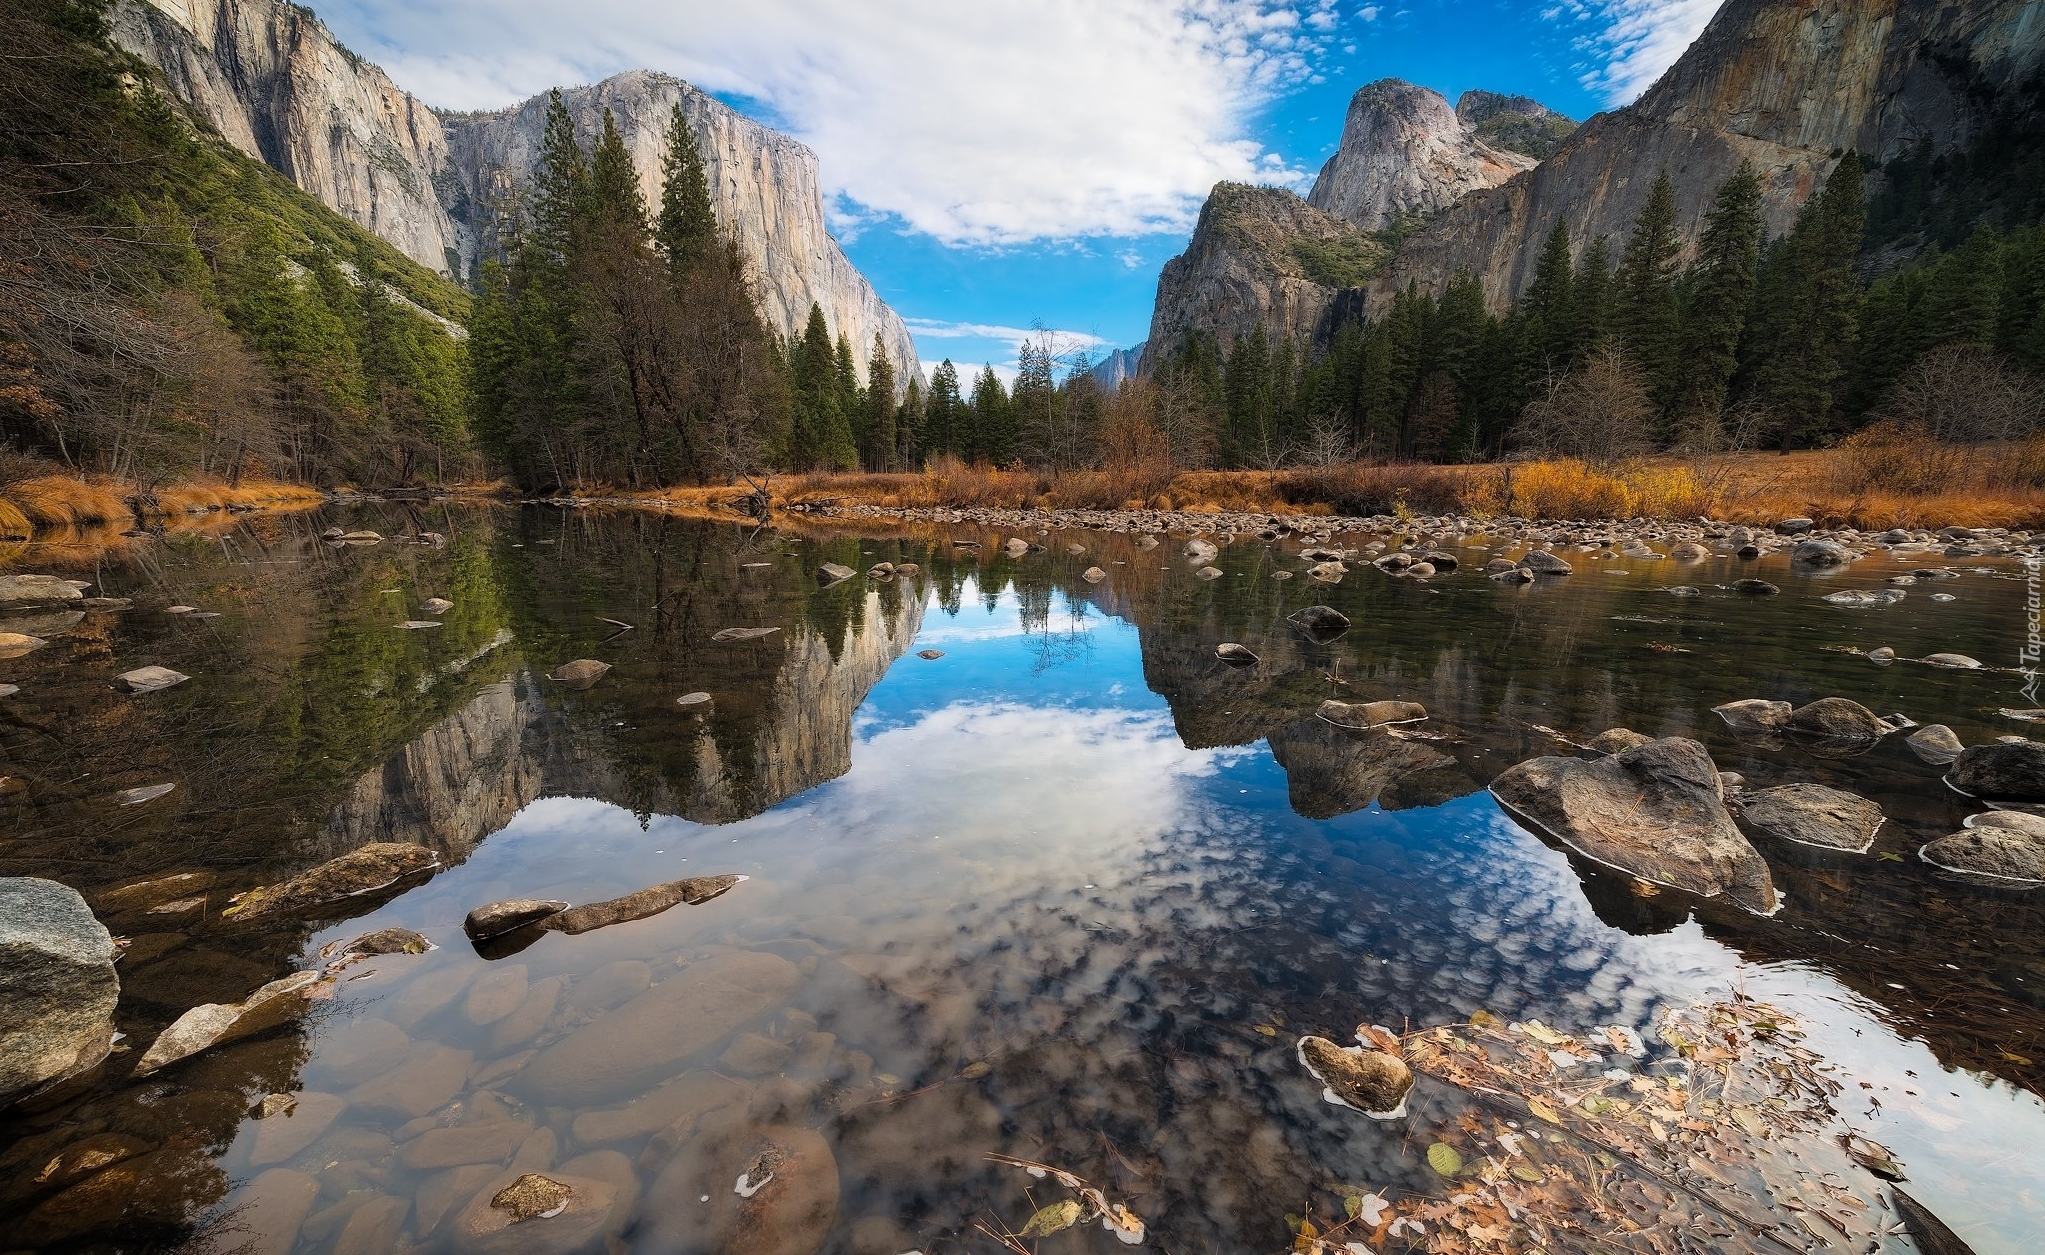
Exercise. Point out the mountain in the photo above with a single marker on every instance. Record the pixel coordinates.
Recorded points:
(1405, 154)
(765, 186)
(1117, 366)
(1787, 84)
(1259, 256)
(275, 83)
(1518, 124)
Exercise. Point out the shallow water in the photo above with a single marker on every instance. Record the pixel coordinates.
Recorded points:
(1068, 892)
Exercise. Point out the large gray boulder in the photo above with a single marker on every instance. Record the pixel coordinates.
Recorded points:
(57, 986)
(35, 592)
(1657, 812)
(2010, 771)
(1815, 815)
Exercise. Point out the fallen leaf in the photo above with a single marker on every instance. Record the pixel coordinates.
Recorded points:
(1443, 1158)
(1055, 1218)
(1544, 1111)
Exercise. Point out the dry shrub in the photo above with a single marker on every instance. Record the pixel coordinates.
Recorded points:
(14, 525)
(1892, 456)
(1402, 488)
(62, 501)
(1598, 413)
(1570, 489)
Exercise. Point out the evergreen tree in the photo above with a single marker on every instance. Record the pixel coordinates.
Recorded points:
(687, 230)
(821, 435)
(560, 187)
(993, 425)
(1644, 308)
(615, 201)
(881, 434)
(1807, 303)
(1548, 300)
(944, 414)
(1721, 288)
(909, 426)
(1590, 300)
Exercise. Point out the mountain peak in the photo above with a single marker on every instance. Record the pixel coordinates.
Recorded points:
(1406, 154)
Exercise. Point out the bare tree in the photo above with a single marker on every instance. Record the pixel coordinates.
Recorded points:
(1963, 394)
(1598, 413)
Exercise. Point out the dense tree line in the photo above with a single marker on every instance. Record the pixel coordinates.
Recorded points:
(169, 306)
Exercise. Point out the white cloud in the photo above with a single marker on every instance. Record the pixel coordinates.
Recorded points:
(937, 329)
(1637, 40)
(989, 123)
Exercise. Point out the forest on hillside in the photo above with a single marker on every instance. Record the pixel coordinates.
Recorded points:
(172, 309)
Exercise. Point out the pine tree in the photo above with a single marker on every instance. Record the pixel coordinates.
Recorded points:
(560, 186)
(944, 413)
(909, 426)
(1721, 288)
(880, 448)
(1548, 299)
(1806, 307)
(615, 200)
(1590, 300)
(1644, 308)
(993, 426)
(822, 434)
(687, 230)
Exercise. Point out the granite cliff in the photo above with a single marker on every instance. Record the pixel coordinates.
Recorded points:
(275, 83)
(1786, 84)
(1406, 154)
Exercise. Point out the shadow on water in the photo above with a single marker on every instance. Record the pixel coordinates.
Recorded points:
(1066, 892)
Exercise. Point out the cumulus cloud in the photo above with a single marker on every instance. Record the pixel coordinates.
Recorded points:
(1635, 41)
(990, 123)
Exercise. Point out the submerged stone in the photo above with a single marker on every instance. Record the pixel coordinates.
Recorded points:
(744, 633)
(216, 1023)
(498, 918)
(148, 679)
(1814, 815)
(1935, 743)
(1235, 655)
(1999, 852)
(1754, 714)
(375, 866)
(650, 901)
(580, 674)
(1370, 1081)
(1362, 716)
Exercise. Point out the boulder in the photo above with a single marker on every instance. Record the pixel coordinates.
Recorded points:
(1881, 655)
(1513, 575)
(532, 1213)
(1618, 740)
(1794, 527)
(773, 1191)
(1370, 1081)
(2021, 821)
(498, 918)
(1814, 815)
(1327, 572)
(375, 866)
(647, 1039)
(1199, 551)
(580, 674)
(1838, 721)
(1755, 588)
(37, 592)
(646, 902)
(1420, 570)
(58, 987)
(1235, 655)
(1093, 575)
(1755, 714)
(1935, 743)
(1320, 624)
(834, 573)
(1956, 662)
(2010, 771)
(1689, 551)
(1361, 716)
(1016, 547)
(1541, 562)
(215, 1023)
(2002, 853)
(1657, 812)
(1820, 553)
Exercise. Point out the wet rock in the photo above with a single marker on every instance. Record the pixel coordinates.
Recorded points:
(418, 625)
(16, 644)
(107, 603)
(1755, 588)
(281, 1134)
(1754, 714)
(58, 987)
(530, 1017)
(1618, 740)
(215, 1023)
(147, 893)
(755, 1054)
(382, 941)
(146, 793)
(693, 699)
(1815, 815)
(1093, 575)
(270, 1211)
(362, 1049)
(646, 1039)
(1689, 551)
(2010, 771)
(1837, 720)
(611, 985)
(535, 1213)
(1361, 716)
(1421, 570)
(375, 866)
(75, 1162)
(1235, 655)
(1441, 560)
(930, 655)
(1327, 572)
(1881, 655)
(160, 1188)
(1199, 551)
(1016, 546)
(436, 605)
(1820, 553)
(1862, 598)
(580, 674)
(441, 1194)
(646, 902)
(2021, 821)
(495, 994)
(1935, 743)
(490, 1143)
(2002, 853)
(744, 633)
(1656, 812)
(1394, 563)
(1541, 562)
(1320, 624)
(498, 918)
(773, 1191)
(1513, 575)
(1208, 573)
(1685, 590)
(676, 1106)
(9, 690)
(35, 592)
(1956, 662)
(430, 1076)
(1794, 527)
(359, 538)
(1146, 542)
(1370, 1081)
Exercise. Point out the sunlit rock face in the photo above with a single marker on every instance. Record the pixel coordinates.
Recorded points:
(275, 83)
(1405, 153)
(1789, 86)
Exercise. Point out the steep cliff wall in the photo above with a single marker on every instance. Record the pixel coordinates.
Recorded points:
(275, 84)
(1786, 84)
(1406, 154)
(1259, 256)
(765, 187)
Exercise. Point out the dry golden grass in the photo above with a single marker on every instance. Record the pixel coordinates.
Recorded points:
(14, 524)
(204, 496)
(63, 501)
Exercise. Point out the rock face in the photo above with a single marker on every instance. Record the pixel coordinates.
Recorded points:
(57, 985)
(276, 84)
(1259, 257)
(1514, 124)
(1405, 154)
(1785, 84)
(1657, 811)
(1117, 366)
(765, 187)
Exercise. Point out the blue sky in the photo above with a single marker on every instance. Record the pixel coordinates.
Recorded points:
(1000, 164)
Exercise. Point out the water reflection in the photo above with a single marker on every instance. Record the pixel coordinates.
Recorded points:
(1037, 895)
